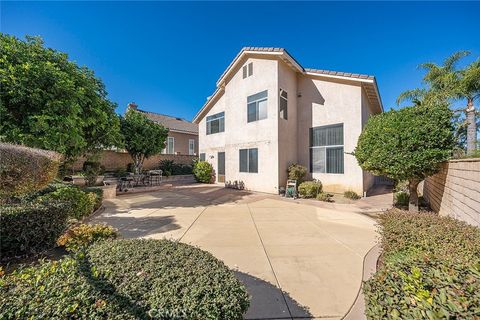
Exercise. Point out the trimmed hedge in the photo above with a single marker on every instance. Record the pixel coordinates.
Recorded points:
(127, 279)
(79, 204)
(310, 189)
(24, 169)
(28, 228)
(430, 270)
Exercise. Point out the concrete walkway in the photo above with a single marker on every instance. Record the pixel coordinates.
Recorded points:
(297, 260)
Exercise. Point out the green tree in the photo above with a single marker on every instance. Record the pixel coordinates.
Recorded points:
(52, 103)
(143, 138)
(448, 83)
(407, 144)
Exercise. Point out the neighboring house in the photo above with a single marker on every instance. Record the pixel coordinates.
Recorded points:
(269, 112)
(182, 135)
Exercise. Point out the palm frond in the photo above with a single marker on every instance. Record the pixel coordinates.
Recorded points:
(450, 62)
(415, 96)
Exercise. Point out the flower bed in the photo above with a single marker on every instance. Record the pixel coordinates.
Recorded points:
(430, 269)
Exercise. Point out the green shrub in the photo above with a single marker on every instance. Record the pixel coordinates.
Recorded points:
(78, 203)
(203, 172)
(99, 195)
(84, 235)
(430, 269)
(126, 279)
(91, 170)
(296, 172)
(310, 189)
(351, 195)
(322, 196)
(401, 198)
(24, 170)
(28, 228)
(169, 167)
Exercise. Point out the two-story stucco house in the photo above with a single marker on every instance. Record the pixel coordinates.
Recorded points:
(268, 112)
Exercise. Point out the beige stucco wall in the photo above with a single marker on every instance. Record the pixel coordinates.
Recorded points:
(367, 112)
(239, 134)
(326, 103)
(287, 129)
(181, 142)
(455, 190)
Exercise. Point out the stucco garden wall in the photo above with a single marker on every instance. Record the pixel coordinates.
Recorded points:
(455, 190)
(113, 160)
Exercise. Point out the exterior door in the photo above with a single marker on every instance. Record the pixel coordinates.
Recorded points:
(221, 167)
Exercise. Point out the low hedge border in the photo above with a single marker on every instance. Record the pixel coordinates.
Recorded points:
(430, 269)
(30, 228)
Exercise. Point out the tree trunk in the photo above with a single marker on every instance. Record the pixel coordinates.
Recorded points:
(413, 200)
(471, 128)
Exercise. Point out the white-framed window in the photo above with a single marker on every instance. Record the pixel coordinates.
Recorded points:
(257, 106)
(326, 149)
(247, 70)
(216, 123)
(191, 147)
(249, 160)
(202, 156)
(170, 145)
(283, 104)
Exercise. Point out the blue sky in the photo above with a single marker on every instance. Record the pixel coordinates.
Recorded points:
(167, 56)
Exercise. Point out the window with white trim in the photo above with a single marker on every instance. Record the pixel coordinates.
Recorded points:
(326, 149)
(191, 147)
(247, 70)
(216, 123)
(283, 104)
(257, 106)
(170, 145)
(202, 156)
(249, 160)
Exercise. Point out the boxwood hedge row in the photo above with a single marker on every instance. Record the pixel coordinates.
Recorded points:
(126, 279)
(430, 269)
(30, 227)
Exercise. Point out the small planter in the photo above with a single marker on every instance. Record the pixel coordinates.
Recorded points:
(80, 180)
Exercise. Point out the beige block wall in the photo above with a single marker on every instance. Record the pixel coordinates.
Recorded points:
(113, 160)
(239, 134)
(455, 190)
(181, 142)
(326, 103)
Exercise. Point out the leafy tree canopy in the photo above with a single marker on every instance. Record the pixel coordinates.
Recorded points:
(52, 103)
(143, 137)
(406, 144)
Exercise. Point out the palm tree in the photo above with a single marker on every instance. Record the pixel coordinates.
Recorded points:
(445, 83)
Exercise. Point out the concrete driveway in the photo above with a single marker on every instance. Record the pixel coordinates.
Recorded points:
(297, 260)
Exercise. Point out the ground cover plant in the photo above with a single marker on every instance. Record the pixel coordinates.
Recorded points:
(430, 269)
(126, 279)
(83, 235)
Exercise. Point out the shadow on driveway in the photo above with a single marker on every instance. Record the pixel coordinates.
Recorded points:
(269, 302)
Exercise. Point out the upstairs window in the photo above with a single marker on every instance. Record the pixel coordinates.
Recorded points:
(191, 147)
(257, 106)
(216, 123)
(170, 145)
(247, 70)
(283, 104)
(326, 149)
(249, 160)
